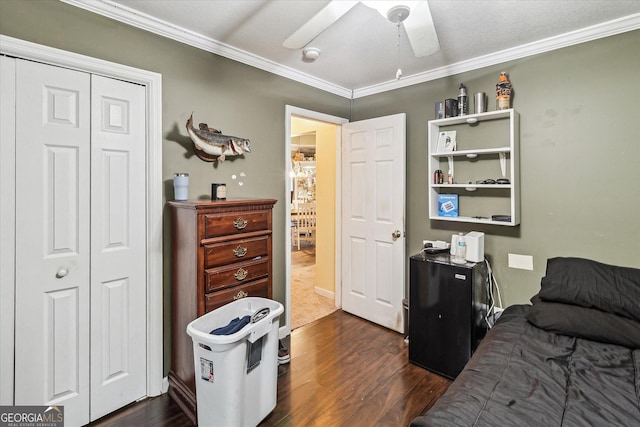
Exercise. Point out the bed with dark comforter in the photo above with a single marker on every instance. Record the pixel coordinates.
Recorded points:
(572, 358)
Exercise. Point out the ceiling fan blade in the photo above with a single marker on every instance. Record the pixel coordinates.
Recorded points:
(316, 25)
(421, 31)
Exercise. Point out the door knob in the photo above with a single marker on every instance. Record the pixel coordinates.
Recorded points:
(62, 272)
(396, 234)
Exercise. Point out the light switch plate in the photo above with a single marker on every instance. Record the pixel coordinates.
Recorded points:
(524, 262)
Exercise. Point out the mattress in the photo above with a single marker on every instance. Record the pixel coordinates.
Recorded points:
(522, 375)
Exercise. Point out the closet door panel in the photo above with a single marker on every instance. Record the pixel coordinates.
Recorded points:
(52, 239)
(61, 328)
(118, 263)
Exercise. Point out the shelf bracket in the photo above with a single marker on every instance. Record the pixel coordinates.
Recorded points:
(503, 164)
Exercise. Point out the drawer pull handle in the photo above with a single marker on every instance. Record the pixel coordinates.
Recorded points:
(240, 295)
(240, 251)
(240, 223)
(241, 274)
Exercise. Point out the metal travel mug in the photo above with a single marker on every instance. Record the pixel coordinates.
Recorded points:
(181, 186)
(480, 102)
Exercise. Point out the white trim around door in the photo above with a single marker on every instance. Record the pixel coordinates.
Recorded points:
(154, 203)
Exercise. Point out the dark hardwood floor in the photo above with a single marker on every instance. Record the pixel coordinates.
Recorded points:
(344, 371)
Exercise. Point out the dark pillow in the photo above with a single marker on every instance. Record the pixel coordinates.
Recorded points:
(581, 322)
(594, 285)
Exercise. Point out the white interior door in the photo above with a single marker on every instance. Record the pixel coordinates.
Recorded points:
(373, 207)
(52, 239)
(118, 282)
(80, 241)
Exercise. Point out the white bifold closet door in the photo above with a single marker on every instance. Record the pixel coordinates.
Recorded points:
(80, 312)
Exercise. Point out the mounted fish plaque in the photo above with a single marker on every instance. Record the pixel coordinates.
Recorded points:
(211, 145)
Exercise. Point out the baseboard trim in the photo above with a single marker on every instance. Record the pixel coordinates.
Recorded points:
(324, 293)
(183, 396)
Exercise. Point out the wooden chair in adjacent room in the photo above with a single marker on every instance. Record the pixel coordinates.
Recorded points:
(305, 224)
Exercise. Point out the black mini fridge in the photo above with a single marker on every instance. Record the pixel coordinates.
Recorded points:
(447, 309)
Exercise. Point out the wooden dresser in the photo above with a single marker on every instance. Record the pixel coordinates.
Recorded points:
(220, 251)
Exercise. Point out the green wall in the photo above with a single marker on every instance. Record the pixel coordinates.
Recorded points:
(238, 99)
(580, 142)
(579, 157)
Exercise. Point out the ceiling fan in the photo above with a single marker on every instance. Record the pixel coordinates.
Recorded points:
(414, 15)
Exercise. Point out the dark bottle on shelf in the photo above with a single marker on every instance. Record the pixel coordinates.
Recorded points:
(463, 105)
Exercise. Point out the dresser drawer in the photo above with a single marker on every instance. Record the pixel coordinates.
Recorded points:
(235, 274)
(224, 224)
(259, 288)
(216, 254)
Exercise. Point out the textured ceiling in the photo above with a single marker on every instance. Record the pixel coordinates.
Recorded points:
(359, 53)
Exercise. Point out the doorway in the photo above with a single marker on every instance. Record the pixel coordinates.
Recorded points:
(312, 197)
(312, 156)
(381, 143)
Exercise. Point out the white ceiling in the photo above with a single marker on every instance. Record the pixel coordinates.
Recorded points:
(360, 51)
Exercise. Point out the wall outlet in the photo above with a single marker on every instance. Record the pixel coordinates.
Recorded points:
(524, 262)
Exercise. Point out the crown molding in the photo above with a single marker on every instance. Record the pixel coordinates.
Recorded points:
(605, 29)
(145, 22)
(162, 28)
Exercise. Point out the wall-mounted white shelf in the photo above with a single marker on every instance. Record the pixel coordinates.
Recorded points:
(475, 186)
(473, 153)
(487, 147)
